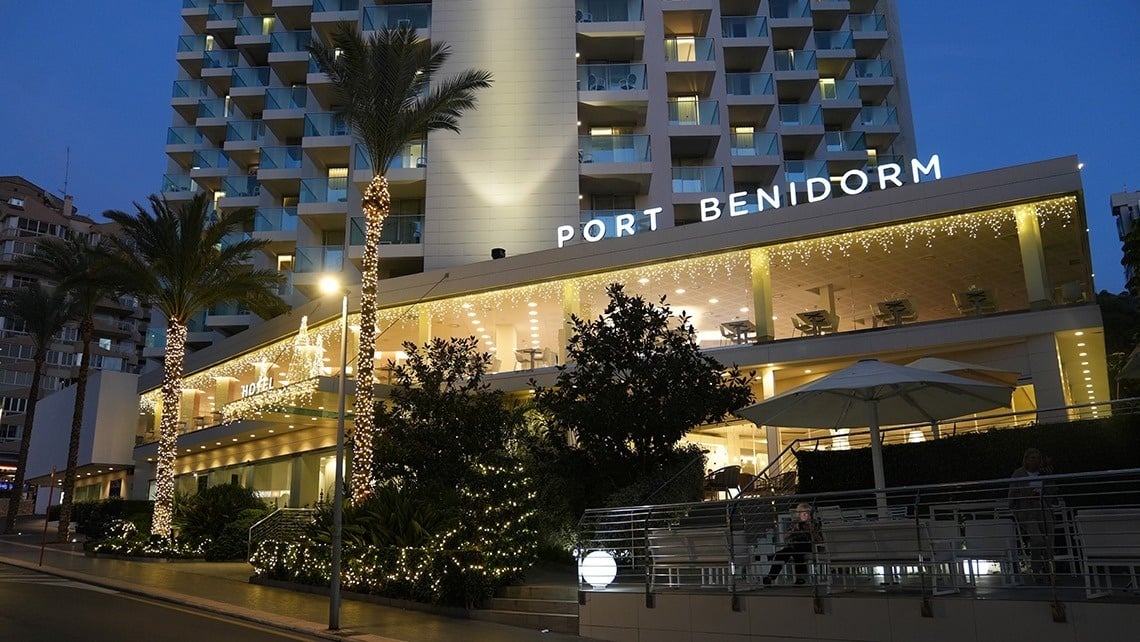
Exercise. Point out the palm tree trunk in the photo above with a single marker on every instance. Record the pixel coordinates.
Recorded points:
(86, 332)
(25, 444)
(168, 428)
(376, 204)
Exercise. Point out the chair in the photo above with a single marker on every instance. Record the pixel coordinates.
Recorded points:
(803, 328)
(629, 82)
(990, 539)
(583, 16)
(595, 84)
(722, 480)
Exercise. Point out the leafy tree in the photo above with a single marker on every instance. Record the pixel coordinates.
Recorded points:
(81, 267)
(184, 261)
(390, 92)
(1131, 259)
(43, 313)
(1120, 315)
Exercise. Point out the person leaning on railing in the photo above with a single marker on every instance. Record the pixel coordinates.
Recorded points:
(1032, 499)
(804, 534)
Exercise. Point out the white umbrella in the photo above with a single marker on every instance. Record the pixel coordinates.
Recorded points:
(973, 371)
(872, 393)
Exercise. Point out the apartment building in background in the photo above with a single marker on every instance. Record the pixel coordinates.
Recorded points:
(601, 110)
(1126, 210)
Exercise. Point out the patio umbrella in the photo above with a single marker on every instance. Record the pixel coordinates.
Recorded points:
(974, 371)
(872, 393)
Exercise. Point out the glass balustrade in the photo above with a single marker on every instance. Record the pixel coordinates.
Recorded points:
(197, 322)
(240, 186)
(789, 9)
(606, 77)
(286, 97)
(233, 238)
(178, 183)
(325, 124)
(191, 43)
(834, 40)
(743, 27)
(183, 136)
(794, 60)
(245, 130)
(880, 116)
(629, 148)
(255, 25)
(608, 10)
(801, 115)
(801, 170)
(873, 69)
(280, 157)
(196, 4)
(693, 112)
(754, 144)
(275, 219)
(609, 218)
(227, 309)
(210, 159)
(399, 229)
(250, 77)
(283, 41)
(846, 90)
(324, 190)
(321, 6)
(321, 258)
(220, 59)
(698, 179)
(226, 11)
(216, 108)
(413, 155)
(688, 49)
(845, 141)
(750, 84)
(188, 89)
(394, 16)
(867, 22)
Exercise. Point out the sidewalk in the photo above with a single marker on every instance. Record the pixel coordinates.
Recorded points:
(223, 588)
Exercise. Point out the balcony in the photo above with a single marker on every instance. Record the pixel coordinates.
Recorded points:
(177, 186)
(284, 112)
(181, 142)
(694, 127)
(244, 139)
(324, 196)
(315, 260)
(751, 97)
(213, 116)
(881, 125)
(394, 16)
(835, 51)
(279, 169)
(208, 166)
(614, 164)
(689, 65)
(840, 101)
(800, 171)
(194, 14)
(408, 167)
(801, 127)
(755, 156)
(275, 158)
(870, 34)
(614, 149)
(846, 150)
(327, 14)
(791, 23)
(697, 180)
(217, 66)
(828, 15)
(588, 13)
(229, 318)
(876, 78)
(326, 138)
(247, 88)
(189, 53)
(399, 229)
(184, 98)
(277, 226)
(745, 41)
(289, 55)
(240, 191)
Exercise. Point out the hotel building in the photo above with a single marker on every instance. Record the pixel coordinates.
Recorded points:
(1126, 211)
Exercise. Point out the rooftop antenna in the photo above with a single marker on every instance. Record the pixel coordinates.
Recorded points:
(66, 169)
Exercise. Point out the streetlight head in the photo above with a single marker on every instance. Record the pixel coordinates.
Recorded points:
(330, 284)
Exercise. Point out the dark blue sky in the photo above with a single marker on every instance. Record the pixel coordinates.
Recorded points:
(991, 84)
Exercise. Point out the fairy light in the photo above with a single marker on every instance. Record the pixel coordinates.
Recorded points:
(168, 428)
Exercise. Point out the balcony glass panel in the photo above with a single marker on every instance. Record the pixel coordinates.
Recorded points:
(178, 183)
(318, 259)
(233, 238)
(754, 144)
(191, 43)
(216, 108)
(838, 90)
(399, 229)
(286, 98)
(606, 77)
(280, 157)
(197, 323)
(325, 124)
(688, 49)
(801, 115)
(846, 141)
(868, 22)
(240, 186)
(800, 171)
(793, 60)
(609, 219)
(250, 77)
(879, 116)
(393, 16)
(698, 179)
(873, 69)
(255, 25)
(289, 41)
(412, 155)
(230, 308)
(320, 6)
(790, 9)
(324, 190)
(744, 27)
(608, 10)
(614, 149)
(183, 136)
(693, 112)
(275, 219)
(750, 84)
(226, 11)
(195, 4)
(210, 159)
(188, 89)
(220, 59)
(834, 40)
(246, 130)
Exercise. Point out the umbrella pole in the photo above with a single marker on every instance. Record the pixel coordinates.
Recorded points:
(877, 461)
(934, 429)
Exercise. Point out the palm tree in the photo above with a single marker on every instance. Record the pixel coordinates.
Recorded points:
(43, 313)
(390, 93)
(184, 261)
(81, 267)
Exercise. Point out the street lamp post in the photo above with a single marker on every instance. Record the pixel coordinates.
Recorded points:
(330, 285)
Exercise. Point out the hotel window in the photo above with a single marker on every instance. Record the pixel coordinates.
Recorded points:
(827, 89)
(682, 49)
(284, 262)
(338, 185)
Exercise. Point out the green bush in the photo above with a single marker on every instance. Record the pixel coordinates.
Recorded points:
(205, 515)
(95, 518)
(233, 542)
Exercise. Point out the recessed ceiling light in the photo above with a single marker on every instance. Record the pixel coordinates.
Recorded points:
(217, 443)
(679, 290)
(534, 342)
(485, 336)
(532, 304)
(271, 431)
(202, 447)
(714, 301)
(807, 371)
(1083, 354)
(234, 439)
(1080, 345)
(534, 335)
(744, 309)
(471, 314)
(1079, 333)
(475, 322)
(643, 280)
(533, 313)
(480, 329)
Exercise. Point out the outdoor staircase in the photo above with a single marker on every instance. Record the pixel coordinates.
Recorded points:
(550, 607)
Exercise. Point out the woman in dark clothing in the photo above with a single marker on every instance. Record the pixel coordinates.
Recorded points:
(804, 534)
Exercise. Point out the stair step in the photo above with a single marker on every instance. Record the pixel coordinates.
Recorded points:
(562, 592)
(529, 605)
(558, 623)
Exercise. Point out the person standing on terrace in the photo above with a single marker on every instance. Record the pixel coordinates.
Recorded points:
(1031, 499)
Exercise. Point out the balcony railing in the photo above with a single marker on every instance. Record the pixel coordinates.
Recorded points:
(245, 130)
(793, 60)
(322, 6)
(879, 116)
(324, 190)
(179, 183)
(286, 97)
(693, 112)
(216, 108)
(210, 159)
(607, 77)
(873, 69)
(800, 171)
(275, 219)
(412, 155)
(744, 27)
(196, 4)
(868, 22)
(689, 49)
(183, 136)
(220, 59)
(608, 10)
(784, 9)
(255, 25)
(250, 77)
(191, 43)
(834, 40)
(750, 84)
(288, 41)
(698, 179)
(754, 144)
(240, 186)
(188, 89)
(393, 16)
(325, 124)
(399, 229)
(226, 11)
(629, 148)
(845, 90)
(845, 141)
(280, 157)
(318, 259)
(801, 115)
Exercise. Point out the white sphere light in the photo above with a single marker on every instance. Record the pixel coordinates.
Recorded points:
(598, 569)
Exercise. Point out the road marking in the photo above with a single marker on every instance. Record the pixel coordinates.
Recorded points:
(48, 580)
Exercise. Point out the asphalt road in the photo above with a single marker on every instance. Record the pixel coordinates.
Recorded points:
(36, 607)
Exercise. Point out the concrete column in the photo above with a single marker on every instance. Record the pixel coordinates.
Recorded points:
(1032, 257)
(425, 328)
(760, 267)
(1045, 372)
(771, 433)
(506, 340)
(571, 306)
